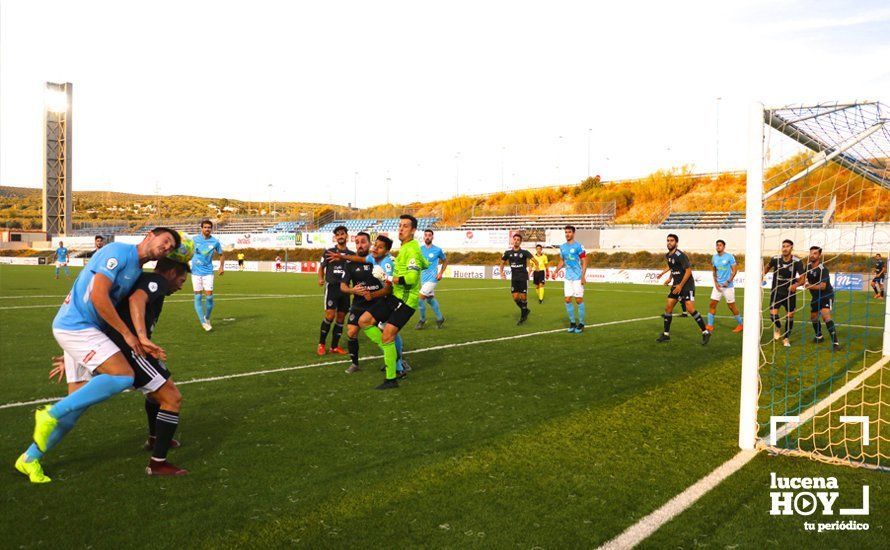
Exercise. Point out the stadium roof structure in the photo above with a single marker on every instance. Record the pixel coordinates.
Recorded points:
(854, 135)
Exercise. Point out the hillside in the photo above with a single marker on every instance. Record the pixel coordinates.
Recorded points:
(649, 199)
(20, 207)
(639, 201)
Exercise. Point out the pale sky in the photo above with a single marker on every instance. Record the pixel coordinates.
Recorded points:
(224, 98)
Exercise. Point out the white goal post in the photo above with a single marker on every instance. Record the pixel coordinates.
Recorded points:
(843, 151)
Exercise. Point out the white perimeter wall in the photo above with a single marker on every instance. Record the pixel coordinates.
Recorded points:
(838, 239)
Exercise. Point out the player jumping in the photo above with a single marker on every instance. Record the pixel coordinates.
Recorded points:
(574, 258)
(540, 273)
(336, 304)
(109, 276)
(725, 269)
(788, 269)
(62, 260)
(682, 289)
(518, 259)
(397, 308)
(877, 282)
(430, 278)
(202, 272)
(818, 282)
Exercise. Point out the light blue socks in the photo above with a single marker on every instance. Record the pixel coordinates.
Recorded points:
(98, 389)
(209, 301)
(199, 308)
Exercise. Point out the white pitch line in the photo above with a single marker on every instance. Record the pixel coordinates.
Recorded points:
(326, 363)
(638, 532)
(241, 297)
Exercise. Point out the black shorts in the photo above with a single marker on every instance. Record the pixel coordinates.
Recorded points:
(356, 312)
(519, 286)
(879, 280)
(686, 294)
(149, 374)
(334, 298)
(822, 302)
(783, 299)
(539, 277)
(392, 311)
(240, 262)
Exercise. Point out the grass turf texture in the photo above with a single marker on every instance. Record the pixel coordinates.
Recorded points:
(553, 440)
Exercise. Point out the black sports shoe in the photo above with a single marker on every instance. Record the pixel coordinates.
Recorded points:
(388, 385)
(663, 338)
(440, 323)
(684, 314)
(540, 301)
(401, 375)
(419, 325)
(705, 338)
(835, 347)
(579, 328)
(571, 327)
(524, 316)
(818, 339)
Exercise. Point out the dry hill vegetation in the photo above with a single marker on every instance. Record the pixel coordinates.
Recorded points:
(648, 199)
(639, 201)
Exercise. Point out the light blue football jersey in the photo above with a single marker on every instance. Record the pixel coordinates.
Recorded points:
(202, 261)
(117, 261)
(723, 264)
(387, 263)
(61, 254)
(433, 255)
(572, 253)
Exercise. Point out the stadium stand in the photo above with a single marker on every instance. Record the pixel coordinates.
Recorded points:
(724, 220)
(580, 221)
(100, 230)
(287, 227)
(377, 225)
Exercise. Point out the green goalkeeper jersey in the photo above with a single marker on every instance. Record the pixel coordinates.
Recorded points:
(409, 263)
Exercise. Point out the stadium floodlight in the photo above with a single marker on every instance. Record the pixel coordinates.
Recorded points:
(838, 390)
(56, 99)
(57, 133)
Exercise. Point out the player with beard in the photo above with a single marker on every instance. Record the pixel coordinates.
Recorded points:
(818, 282)
(682, 289)
(396, 309)
(336, 303)
(366, 288)
(518, 259)
(788, 269)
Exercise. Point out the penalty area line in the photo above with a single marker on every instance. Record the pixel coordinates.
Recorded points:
(640, 531)
(344, 361)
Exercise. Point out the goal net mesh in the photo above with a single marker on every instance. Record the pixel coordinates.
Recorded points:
(827, 184)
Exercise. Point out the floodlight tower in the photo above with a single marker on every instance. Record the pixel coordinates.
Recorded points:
(57, 159)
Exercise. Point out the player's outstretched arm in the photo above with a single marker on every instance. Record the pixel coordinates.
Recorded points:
(101, 300)
(337, 257)
(138, 303)
(222, 264)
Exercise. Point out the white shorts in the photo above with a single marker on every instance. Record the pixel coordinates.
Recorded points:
(202, 282)
(573, 289)
(61, 264)
(429, 289)
(721, 292)
(84, 350)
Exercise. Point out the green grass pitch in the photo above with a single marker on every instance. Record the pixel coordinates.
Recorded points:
(551, 440)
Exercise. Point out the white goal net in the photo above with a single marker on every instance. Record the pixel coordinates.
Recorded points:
(815, 379)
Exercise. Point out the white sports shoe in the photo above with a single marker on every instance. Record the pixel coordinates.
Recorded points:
(206, 325)
(786, 343)
(777, 334)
